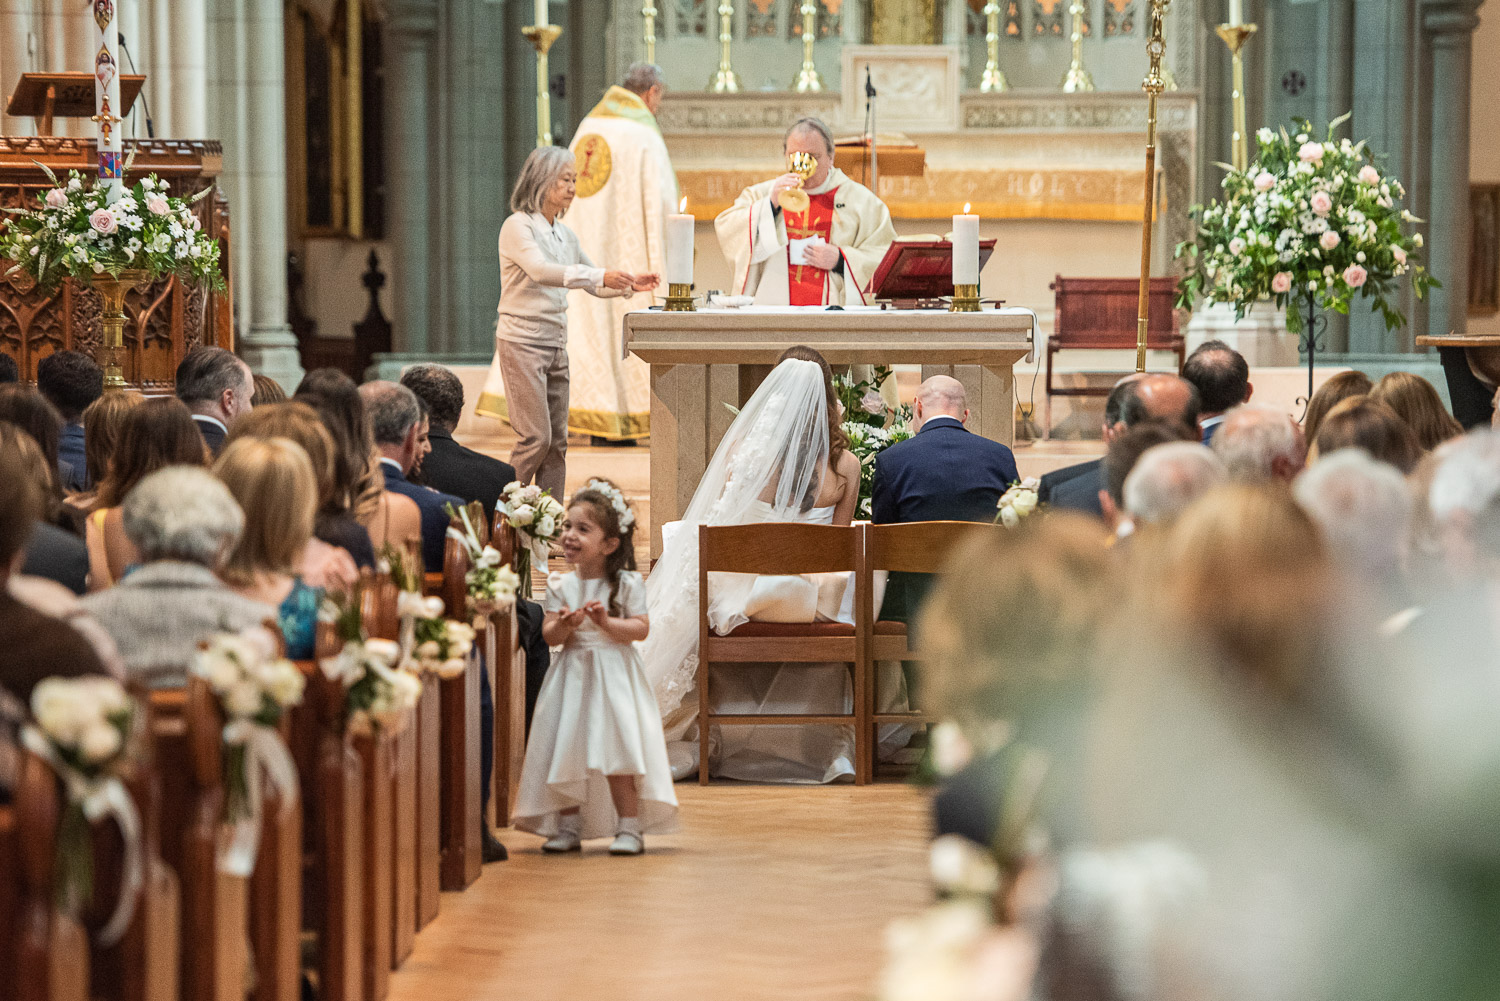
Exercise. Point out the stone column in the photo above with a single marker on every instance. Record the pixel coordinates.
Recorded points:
(17, 38)
(189, 61)
(266, 341)
(157, 25)
(1448, 26)
(410, 32)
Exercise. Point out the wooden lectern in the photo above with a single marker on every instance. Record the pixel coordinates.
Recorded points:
(45, 96)
(166, 320)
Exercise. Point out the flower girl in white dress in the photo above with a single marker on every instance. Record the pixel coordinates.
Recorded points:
(596, 762)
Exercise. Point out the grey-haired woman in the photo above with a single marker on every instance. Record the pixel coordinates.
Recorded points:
(540, 260)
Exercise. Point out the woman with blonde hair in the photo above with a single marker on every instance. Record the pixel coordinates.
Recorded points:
(102, 423)
(273, 481)
(1417, 403)
(1337, 388)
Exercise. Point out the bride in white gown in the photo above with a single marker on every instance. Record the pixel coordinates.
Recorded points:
(783, 459)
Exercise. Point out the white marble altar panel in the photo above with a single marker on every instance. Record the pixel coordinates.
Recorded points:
(917, 86)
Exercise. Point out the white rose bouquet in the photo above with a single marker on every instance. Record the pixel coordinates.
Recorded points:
(1309, 224)
(376, 690)
(81, 729)
(537, 517)
(1018, 502)
(254, 685)
(76, 231)
(488, 584)
(442, 646)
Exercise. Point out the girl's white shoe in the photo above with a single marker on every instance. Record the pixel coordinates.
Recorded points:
(566, 839)
(626, 843)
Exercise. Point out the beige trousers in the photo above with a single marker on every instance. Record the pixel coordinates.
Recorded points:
(536, 395)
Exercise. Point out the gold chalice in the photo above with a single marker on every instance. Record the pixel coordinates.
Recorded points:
(804, 165)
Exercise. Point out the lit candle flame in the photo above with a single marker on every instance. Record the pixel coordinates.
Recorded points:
(682, 205)
(966, 208)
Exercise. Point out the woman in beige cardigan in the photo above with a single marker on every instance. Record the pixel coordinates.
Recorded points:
(540, 260)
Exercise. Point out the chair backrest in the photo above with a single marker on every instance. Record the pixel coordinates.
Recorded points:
(778, 548)
(919, 546)
(1092, 310)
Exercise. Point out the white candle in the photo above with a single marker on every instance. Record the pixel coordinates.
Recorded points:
(966, 248)
(540, 12)
(680, 246)
(1236, 13)
(107, 98)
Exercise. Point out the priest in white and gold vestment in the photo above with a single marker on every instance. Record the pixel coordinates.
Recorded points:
(825, 255)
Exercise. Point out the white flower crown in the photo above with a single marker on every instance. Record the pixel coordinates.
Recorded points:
(616, 501)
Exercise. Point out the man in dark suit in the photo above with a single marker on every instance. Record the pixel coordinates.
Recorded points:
(943, 473)
(217, 387)
(70, 380)
(450, 467)
(1222, 378)
(394, 415)
(1135, 398)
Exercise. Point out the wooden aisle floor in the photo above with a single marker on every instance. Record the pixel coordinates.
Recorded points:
(768, 892)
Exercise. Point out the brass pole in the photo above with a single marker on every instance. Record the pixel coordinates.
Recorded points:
(808, 81)
(1235, 36)
(1153, 86)
(993, 80)
(1077, 79)
(541, 37)
(648, 12)
(354, 26)
(725, 80)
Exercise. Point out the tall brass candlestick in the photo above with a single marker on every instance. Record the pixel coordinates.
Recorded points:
(725, 80)
(541, 37)
(993, 80)
(1235, 36)
(1077, 79)
(1153, 85)
(808, 81)
(648, 14)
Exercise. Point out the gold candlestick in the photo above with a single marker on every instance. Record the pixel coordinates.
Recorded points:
(541, 37)
(992, 81)
(679, 298)
(648, 14)
(1235, 36)
(725, 80)
(965, 299)
(808, 81)
(1153, 85)
(111, 350)
(1077, 79)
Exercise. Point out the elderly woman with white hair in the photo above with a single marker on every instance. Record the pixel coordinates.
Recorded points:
(540, 260)
(184, 523)
(1364, 509)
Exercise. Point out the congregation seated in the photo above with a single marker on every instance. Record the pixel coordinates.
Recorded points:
(218, 388)
(1336, 388)
(272, 479)
(1418, 404)
(328, 557)
(158, 433)
(1166, 480)
(102, 423)
(395, 416)
(267, 391)
(183, 523)
(449, 466)
(71, 381)
(1364, 509)
(1259, 443)
(1222, 377)
(1367, 423)
(9, 370)
(1124, 452)
(386, 517)
(52, 551)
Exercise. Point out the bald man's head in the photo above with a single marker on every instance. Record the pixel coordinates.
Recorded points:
(941, 396)
(1162, 397)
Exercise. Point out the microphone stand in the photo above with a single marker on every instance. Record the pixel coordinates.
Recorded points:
(150, 126)
(874, 170)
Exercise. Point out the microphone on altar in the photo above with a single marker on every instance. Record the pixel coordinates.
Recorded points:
(150, 126)
(872, 174)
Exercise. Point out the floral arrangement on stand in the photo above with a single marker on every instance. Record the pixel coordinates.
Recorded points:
(254, 685)
(870, 425)
(1309, 225)
(376, 690)
(82, 729)
(537, 517)
(1018, 502)
(77, 232)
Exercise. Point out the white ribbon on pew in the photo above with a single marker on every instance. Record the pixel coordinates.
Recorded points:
(264, 750)
(100, 798)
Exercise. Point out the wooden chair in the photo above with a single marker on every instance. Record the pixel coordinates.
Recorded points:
(44, 955)
(781, 549)
(185, 728)
(459, 824)
(1102, 314)
(916, 547)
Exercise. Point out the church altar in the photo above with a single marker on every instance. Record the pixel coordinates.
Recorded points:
(703, 363)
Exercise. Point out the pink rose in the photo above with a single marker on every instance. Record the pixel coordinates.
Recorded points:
(1264, 181)
(1399, 254)
(57, 198)
(1236, 246)
(1328, 240)
(1355, 275)
(1369, 175)
(158, 205)
(1321, 202)
(103, 221)
(1282, 282)
(1311, 152)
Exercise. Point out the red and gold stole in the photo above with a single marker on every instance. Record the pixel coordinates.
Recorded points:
(805, 283)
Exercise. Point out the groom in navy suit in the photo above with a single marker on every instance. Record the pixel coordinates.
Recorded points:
(943, 473)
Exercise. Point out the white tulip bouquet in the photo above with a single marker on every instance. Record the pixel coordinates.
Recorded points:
(1018, 502)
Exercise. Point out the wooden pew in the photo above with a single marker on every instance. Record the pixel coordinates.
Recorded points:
(43, 954)
(509, 690)
(459, 754)
(276, 898)
(185, 729)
